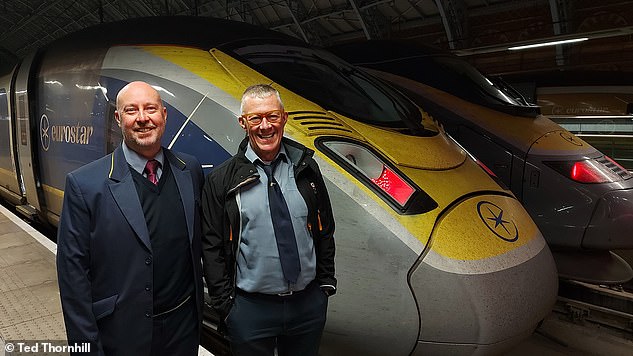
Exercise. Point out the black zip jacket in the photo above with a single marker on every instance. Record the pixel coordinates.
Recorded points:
(221, 219)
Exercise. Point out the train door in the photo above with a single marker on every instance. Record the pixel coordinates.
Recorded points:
(24, 136)
(9, 184)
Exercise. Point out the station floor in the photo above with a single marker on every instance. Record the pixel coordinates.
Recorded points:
(30, 308)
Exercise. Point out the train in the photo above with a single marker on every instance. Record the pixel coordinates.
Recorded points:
(433, 255)
(580, 198)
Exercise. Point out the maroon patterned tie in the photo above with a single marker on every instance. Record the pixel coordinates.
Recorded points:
(151, 168)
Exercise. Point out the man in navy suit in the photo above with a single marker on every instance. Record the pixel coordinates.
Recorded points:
(128, 248)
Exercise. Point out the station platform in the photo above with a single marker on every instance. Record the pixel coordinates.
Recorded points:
(29, 297)
(30, 308)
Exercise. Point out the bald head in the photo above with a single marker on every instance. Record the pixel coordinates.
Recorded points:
(136, 87)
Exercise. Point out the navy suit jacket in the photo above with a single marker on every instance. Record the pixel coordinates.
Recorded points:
(104, 254)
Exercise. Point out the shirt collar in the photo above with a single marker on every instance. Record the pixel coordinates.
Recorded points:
(137, 161)
(253, 157)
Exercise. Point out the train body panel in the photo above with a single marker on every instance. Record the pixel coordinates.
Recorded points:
(457, 268)
(357, 324)
(611, 218)
(71, 132)
(494, 321)
(414, 212)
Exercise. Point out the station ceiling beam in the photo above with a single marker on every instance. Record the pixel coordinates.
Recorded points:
(558, 9)
(455, 20)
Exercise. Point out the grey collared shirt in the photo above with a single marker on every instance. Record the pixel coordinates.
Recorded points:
(258, 265)
(137, 162)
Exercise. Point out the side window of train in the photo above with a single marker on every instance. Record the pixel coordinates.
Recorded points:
(5, 161)
(378, 174)
(113, 132)
(4, 106)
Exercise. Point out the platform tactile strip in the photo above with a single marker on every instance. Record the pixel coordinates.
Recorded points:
(30, 307)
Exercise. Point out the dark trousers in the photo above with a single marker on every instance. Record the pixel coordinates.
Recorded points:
(177, 333)
(257, 323)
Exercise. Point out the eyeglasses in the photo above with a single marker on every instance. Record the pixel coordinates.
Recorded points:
(257, 118)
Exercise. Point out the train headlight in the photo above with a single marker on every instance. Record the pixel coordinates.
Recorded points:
(599, 170)
(377, 173)
(392, 184)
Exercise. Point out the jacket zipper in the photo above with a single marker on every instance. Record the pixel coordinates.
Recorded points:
(246, 181)
(239, 240)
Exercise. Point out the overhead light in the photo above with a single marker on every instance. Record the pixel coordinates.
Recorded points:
(550, 43)
(613, 32)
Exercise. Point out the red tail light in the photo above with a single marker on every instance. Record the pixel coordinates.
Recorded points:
(583, 172)
(587, 171)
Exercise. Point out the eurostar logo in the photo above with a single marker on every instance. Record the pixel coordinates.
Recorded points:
(493, 216)
(44, 134)
(569, 137)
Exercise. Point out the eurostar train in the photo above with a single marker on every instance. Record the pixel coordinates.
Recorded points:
(433, 256)
(581, 200)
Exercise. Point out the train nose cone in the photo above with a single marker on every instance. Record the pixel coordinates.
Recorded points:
(485, 282)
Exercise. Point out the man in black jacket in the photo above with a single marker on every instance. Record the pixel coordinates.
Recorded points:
(268, 237)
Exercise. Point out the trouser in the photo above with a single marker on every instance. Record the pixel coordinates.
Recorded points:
(177, 332)
(258, 323)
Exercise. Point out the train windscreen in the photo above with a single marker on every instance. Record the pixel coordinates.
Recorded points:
(335, 85)
(456, 76)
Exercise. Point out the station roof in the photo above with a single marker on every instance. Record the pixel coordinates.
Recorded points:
(479, 30)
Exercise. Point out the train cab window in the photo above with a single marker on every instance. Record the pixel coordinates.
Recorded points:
(325, 79)
(467, 72)
(460, 78)
(375, 172)
(481, 89)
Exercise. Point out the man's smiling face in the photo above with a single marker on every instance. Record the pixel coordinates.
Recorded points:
(264, 137)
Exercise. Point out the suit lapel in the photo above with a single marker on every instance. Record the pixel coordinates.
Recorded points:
(182, 176)
(124, 192)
